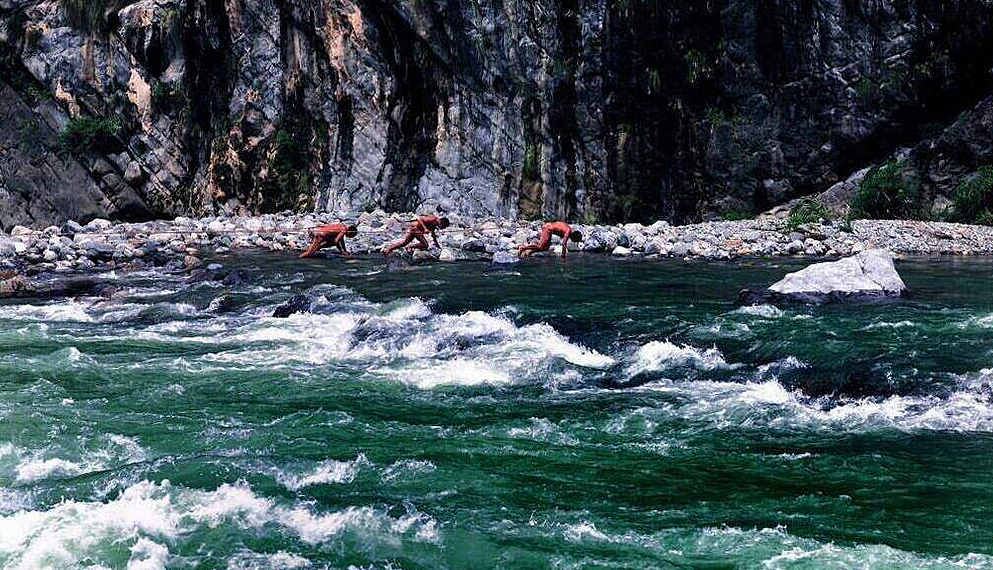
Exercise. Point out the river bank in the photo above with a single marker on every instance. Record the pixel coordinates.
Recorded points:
(184, 242)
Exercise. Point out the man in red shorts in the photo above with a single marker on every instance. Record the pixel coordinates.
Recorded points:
(561, 229)
(330, 234)
(421, 226)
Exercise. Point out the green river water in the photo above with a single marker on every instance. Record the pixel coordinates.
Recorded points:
(592, 413)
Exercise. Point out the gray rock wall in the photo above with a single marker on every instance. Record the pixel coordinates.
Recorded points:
(582, 109)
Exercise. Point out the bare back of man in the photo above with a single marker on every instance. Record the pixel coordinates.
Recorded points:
(560, 229)
(417, 231)
(330, 235)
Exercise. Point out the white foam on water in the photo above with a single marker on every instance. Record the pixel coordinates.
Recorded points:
(889, 325)
(772, 548)
(281, 560)
(541, 429)
(404, 468)
(327, 472)
(764, 311)
(768, 404)
(407, 309)
(147, 516)
(980, 322)
(57, 312)
(433, 374)
(34, 469)
(659, 356)
(583, 531)
(31, 466)
(724, 330)
(148, 555)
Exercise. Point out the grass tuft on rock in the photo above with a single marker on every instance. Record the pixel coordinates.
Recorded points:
(888, 192)
(86, 134)
(972, 202)
(807, 212)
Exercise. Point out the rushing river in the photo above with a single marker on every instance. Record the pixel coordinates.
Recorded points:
(588, 414)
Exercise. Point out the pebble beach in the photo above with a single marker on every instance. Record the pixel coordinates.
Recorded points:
(186, 242)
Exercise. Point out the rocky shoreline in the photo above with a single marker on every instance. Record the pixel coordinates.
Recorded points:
(183, 243)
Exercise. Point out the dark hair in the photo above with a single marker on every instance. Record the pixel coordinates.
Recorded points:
(576, 235)
(351, 231)
(443, 223)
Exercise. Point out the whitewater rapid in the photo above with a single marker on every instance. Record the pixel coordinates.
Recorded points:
(82, 486)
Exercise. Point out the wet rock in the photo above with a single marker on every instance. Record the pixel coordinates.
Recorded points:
(868, 275)
(71, 228)
(99, 224)
(8, 247)
(600, 241)
(421, 256)
(505, 257)
(298, 304)
(474, 245)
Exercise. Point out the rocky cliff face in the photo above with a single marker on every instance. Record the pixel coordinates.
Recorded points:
(582, 109)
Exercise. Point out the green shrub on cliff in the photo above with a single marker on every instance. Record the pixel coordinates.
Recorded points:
(87, 134)
(888, 193)
(289, 170)
(92, 16)
(972, 202)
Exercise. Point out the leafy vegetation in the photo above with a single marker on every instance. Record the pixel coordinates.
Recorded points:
(807, 212)
(888, 193)
(92, 16)
(698, 67)
(715, 116)
(289, 171)
(530, 171)
(87, 134)
(867, 89)
(972, 202)
(167, 97)
(738, 215)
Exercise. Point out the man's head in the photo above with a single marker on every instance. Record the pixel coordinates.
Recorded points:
(576, 236)
(443, 223)
(351, 231)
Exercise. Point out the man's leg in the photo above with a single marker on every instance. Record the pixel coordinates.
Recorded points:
(315, 246)
(545, 243)
(406, 239)
(526, 250)
(421, 243)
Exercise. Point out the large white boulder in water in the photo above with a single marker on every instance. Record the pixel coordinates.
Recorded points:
(868, 274)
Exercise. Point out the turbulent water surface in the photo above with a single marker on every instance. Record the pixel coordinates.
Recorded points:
(588, 414)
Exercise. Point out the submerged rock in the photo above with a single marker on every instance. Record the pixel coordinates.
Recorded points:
(298, 304)
(868, 275)
(421, 256)
(505, 257)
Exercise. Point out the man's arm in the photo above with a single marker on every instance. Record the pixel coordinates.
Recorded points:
(565, 243)
(340, 242)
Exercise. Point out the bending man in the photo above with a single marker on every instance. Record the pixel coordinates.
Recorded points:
(421, 226)
(561, 229)
(330, 234)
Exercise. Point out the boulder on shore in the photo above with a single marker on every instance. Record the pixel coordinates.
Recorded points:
(868, 275)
